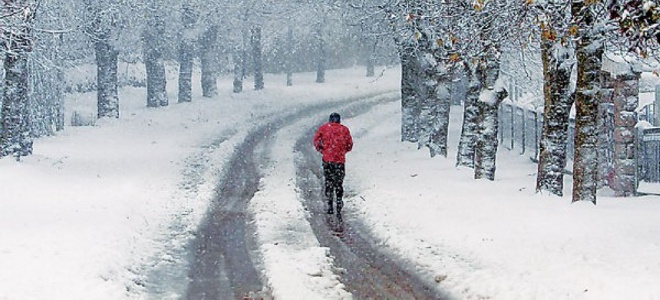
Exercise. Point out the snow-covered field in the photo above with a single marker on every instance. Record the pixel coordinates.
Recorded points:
(87, 215)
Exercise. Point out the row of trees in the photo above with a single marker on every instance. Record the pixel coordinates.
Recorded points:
(437, 39)
(41, 39)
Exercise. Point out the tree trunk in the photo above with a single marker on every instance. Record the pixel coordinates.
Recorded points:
(488, 103)
(428, 101)
(370, 56)
(256, 55)
(589, 56)
(465, 156)
(107, 85)
(440, 130)
(434, 105)
(485, 150)
(289, 57)
(154, 63)
(186, 54)
(15, 135)
(557, 67)
(238, 70)
(409, 96)
(209, 54)
(321, 59)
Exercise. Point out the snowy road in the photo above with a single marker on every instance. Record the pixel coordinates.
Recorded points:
(369, 272)
(226, 264)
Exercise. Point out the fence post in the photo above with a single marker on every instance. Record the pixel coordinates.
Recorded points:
(656, 107)
(500, 119)
(536, 132)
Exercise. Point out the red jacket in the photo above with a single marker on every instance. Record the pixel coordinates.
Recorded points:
(333, 140)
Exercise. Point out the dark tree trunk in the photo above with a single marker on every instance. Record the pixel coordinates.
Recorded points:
(370, 56)
(107, 94)
(238, 70)
(589, 56)
(409, 96)
(440, 129)
(474, 74)
(321, 59)
(154, 35)
(100, 29)
(15, 131)
(208, 54)
(256, 55)
(186, 54)
(289, 57)
(556, 113)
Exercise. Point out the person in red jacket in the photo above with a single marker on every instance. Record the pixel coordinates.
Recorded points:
(333, 140)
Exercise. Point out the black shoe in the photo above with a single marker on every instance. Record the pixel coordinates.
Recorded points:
(330, 211)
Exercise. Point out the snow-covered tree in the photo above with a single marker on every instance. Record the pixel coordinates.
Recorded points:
(639, 22)
(102, 21)
(209, 60)
(154, 42)
(588, 20)
(17, 40)
(256, 56)
(558, 56)
(189, 18)
(470, 129)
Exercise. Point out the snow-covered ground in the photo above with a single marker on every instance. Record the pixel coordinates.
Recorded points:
(89, 213)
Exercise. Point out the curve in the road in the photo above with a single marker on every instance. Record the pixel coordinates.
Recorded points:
(220, 262)
(222, 266)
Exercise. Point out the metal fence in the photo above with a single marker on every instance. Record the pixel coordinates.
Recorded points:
(520, 129)
(648, 155)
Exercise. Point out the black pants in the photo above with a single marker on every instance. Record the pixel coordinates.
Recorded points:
(334, 180)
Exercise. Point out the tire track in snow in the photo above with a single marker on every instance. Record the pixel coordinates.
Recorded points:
(224, 265)
(368, 272)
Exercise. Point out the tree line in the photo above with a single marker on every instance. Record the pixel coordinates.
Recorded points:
(434, 41)
(437, 39)
(42, 39)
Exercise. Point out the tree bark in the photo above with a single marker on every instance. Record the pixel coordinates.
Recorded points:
(321, 59)
(557, 66)
(107, 85)
(409, 96)
(209, 54)
(238, 70)
(186, 54)
(465, 156)
(485, 151)
(256, 55)
(15, 133)
(153, 42)
(289, 57)
(589, 57)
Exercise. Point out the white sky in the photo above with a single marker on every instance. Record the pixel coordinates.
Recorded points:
(91, 212)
